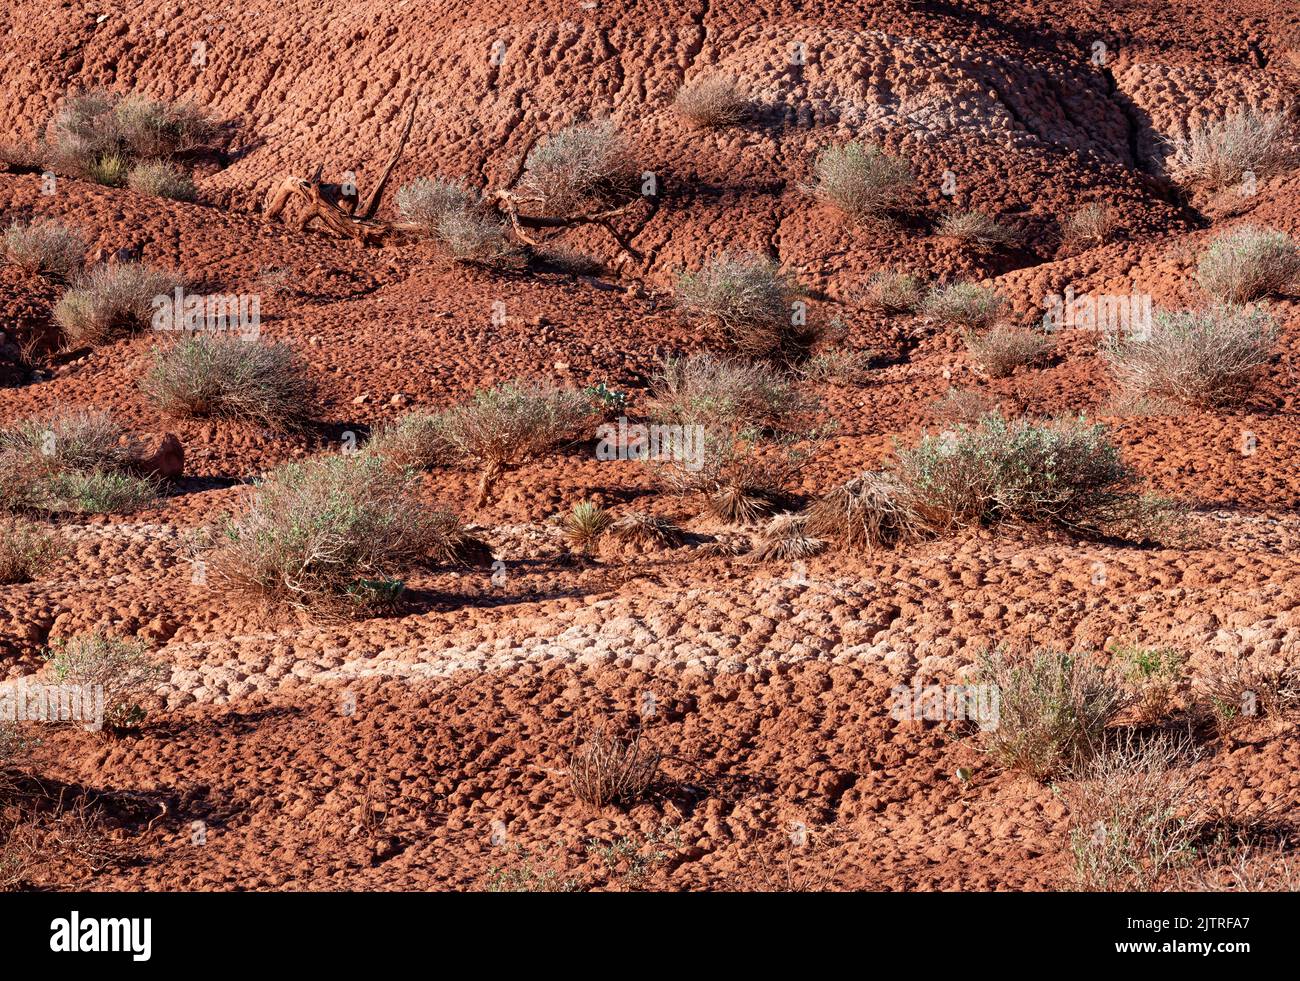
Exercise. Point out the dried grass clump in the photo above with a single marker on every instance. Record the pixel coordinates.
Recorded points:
(413, 440)
(745, 302)
(1220, 152)
(890, 291)
(861, 180)
(506, 425)
(161, 180)
(230, 377)
(577, 163)
(566, 259)
(1053, 710)
(712, 102)
(1209, 357)
(838, 364)
(703, 389)
(583, 526)
(963, 405)
(785, 538)
(1003, 348)
(637, 531)
(963, 304)
(975, 227)
(870, 511)
(1248, 688)
(26, 550)
(1064, 473)
(454, 215)
(112, 301)
(608, 770)
(124, 670)
(1137, 813)
(1248, 263)
(45, 247)
(100, 134)
(1090, 226)
(331, 534)
(76, 439)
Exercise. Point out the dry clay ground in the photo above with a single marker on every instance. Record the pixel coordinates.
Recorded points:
(425, 749)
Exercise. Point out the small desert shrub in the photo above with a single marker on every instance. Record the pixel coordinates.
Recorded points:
(785, 538)
(963, 304)
(1219, 153)
(583, 526)
(162, 180)
(98, 126)
(414, 440)
(99, 492)
(711, 102)
(1153, 676)
(870, 511)
(745, 302)
(111, 301)
(78, 439)
(26, 549)
(331, 534)
(125, 671)
(643, 532)
(1052, 714)
(503, 426)
(228, 376)
(608, 770)
(45, 247)
(963, 405)
(890, 291)
(975, 227)
(454, 215)
(743, 476)
(574, 164)
(111, 170)
(1204, 357)
(1065, 473)
(569, 260)
(1003, 348)
(838, 364)
(1136, 814)
(1247, 688)
(702, 389)
(861, 179)
(1091, 225)
(1248, 263)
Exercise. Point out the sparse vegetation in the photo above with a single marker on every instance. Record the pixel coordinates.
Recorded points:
(45, 247)
(1053, 710)
(838, 364)
(26, 550)
(1066, 473)
(228, 376)
(1003, 348)
(609, 770)
(861, 180)
(785, 538)
(1220, 152)
(574, 164)
(1206, 357)
(963, 405)
(712, 102)
(111, 301)
(702, 389)
(332, 534)
(745, 302)
(161, 180)
(1247, 688)
(1248, 263)
(1136, 813)
(414, 440)
(641, 532)
(124, 670)
(963, 304)
(454, 215)
(974, 227)
(583, 526)
(506, 425)
(1153, 676)
(1090, 226)
(873, 510)
(890, 291)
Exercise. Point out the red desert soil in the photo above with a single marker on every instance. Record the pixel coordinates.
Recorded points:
(427, 749)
